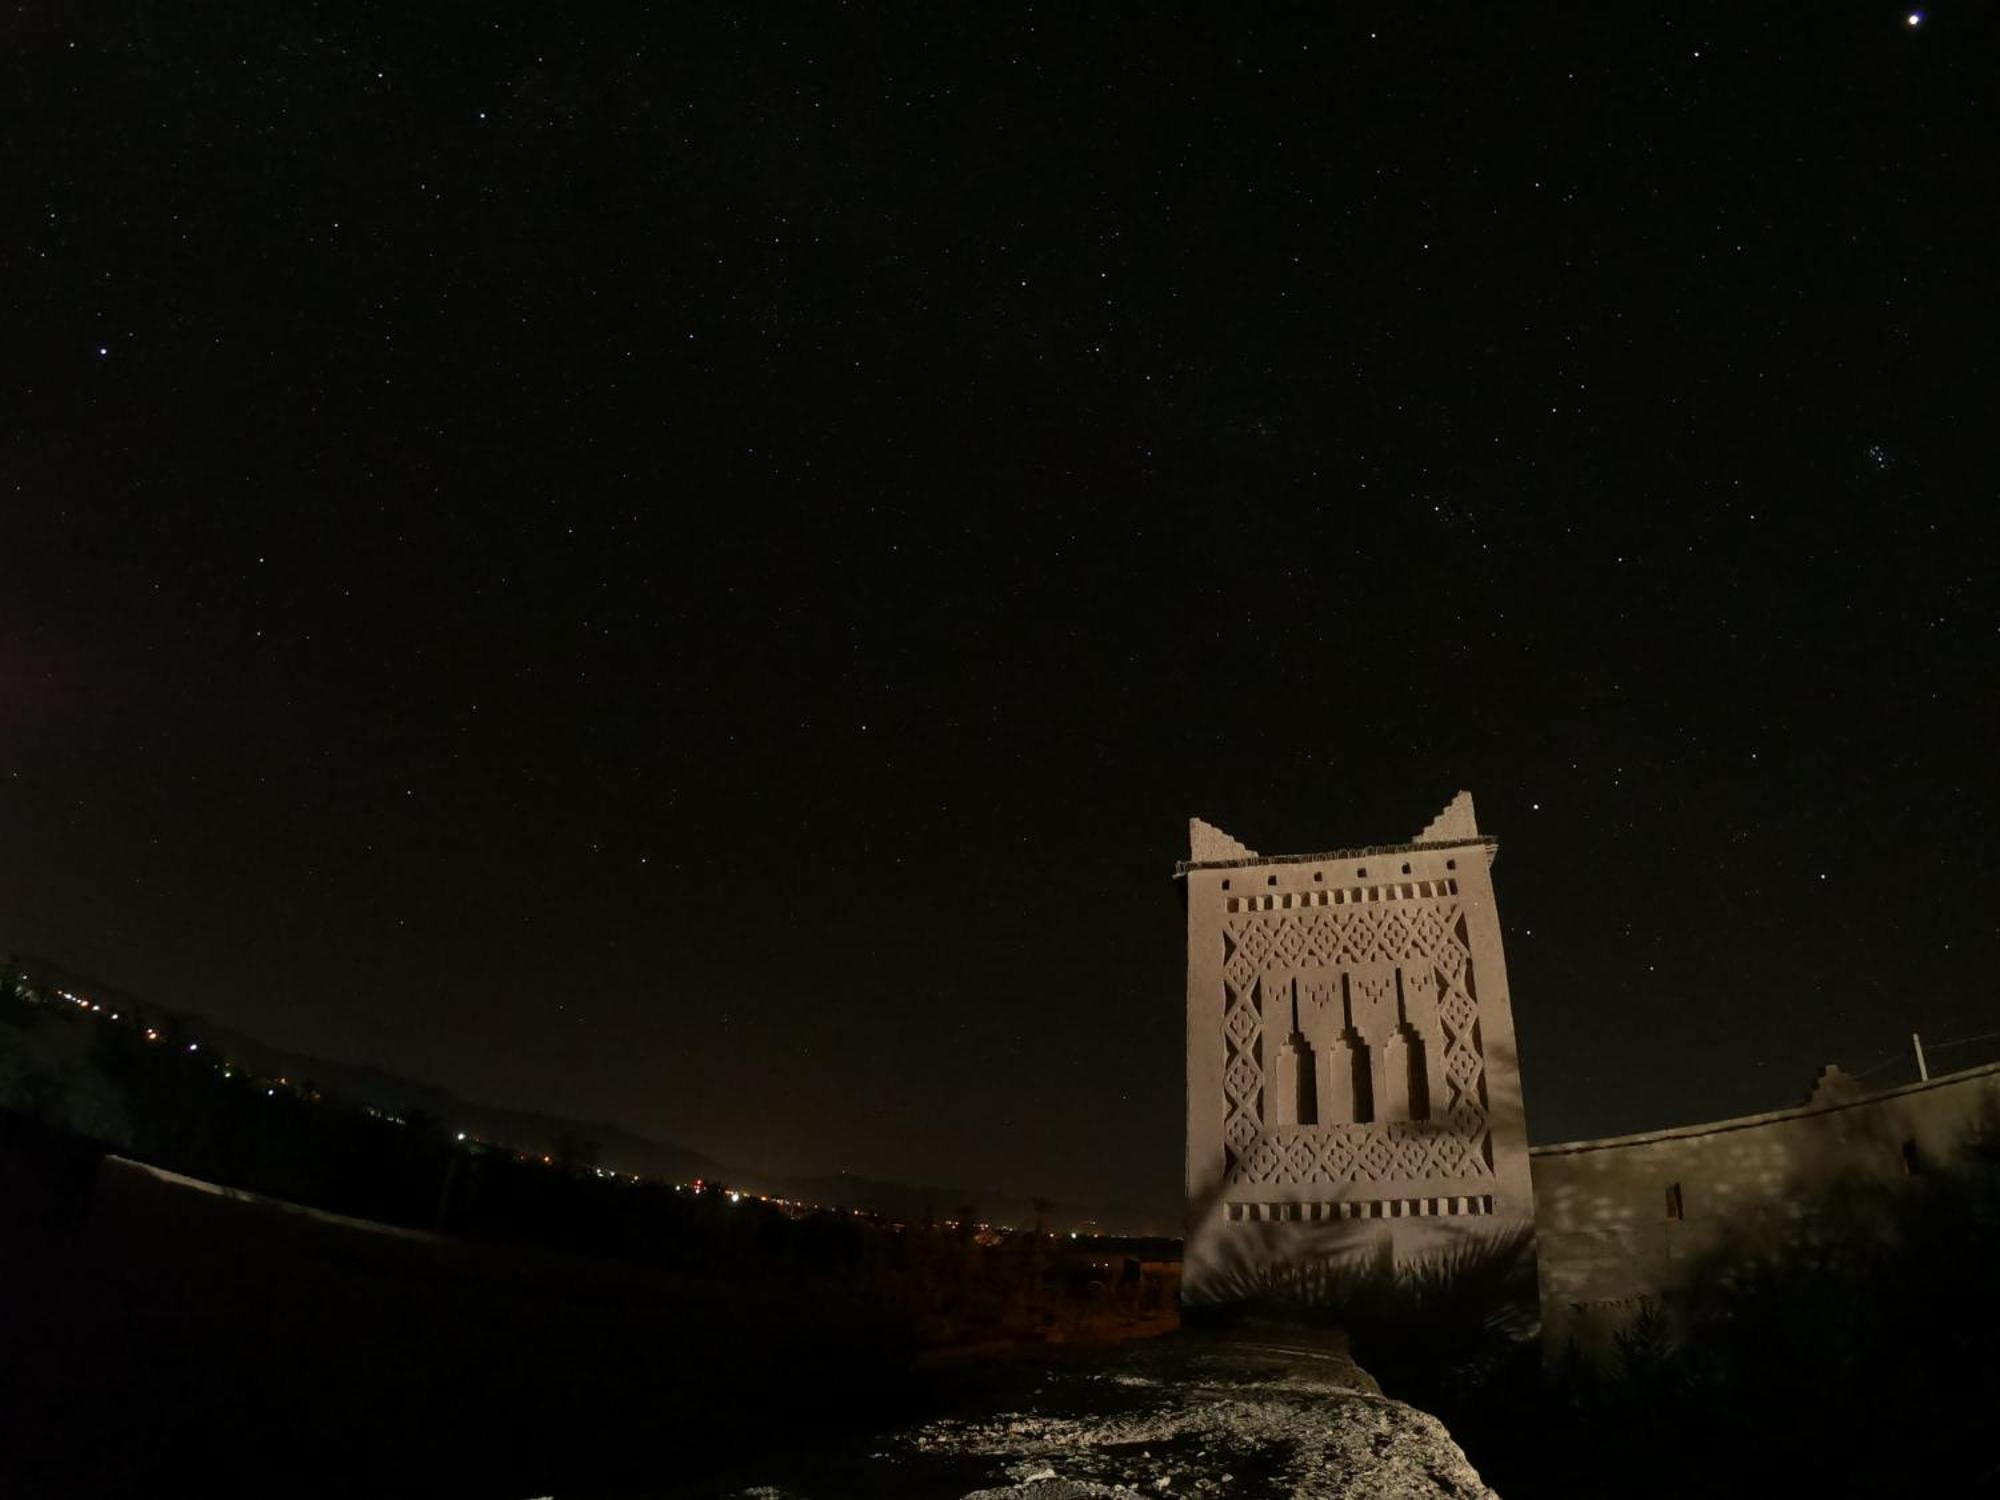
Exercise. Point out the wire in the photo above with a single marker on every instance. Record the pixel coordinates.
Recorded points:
(1984, 1036)
(1929, 1047)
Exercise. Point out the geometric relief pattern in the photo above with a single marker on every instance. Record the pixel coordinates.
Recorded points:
(1398, 1151)
(1243, 1072)
(1243, 1080)
(1422, 938)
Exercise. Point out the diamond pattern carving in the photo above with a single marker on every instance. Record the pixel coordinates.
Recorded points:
(1242, 1078)
(1253, 941)
(1238, 972)
(1358, 939)
(1369, 1154)
(1448, 1154)
(1461, 1065)
(1240, 1132)
(1418, 1156)
(1261, 1162)
(1427, 931)
(1457, 1011)
(1298, 1159)
(1375, 1158)
(1450, 958)
(1336, 1158)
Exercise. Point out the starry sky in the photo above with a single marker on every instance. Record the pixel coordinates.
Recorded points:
(687, 564)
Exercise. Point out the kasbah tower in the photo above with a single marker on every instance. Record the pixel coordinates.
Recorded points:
(1353, 1089)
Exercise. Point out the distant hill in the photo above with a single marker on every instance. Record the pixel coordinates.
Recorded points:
(612, 1146)
(537, 1134)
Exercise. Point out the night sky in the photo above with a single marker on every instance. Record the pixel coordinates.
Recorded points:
(688, 565)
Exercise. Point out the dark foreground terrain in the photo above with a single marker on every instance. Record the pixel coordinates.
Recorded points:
(166, 1338)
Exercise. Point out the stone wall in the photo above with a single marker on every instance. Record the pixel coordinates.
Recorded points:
(1623, 1219)
(1353, 1086)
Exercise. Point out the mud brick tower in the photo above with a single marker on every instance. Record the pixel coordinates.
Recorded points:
(1353, 1086)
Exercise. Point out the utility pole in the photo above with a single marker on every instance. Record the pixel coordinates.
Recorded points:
(1923, 1068)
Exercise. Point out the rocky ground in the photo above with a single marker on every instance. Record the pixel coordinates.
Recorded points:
(1247, 1414)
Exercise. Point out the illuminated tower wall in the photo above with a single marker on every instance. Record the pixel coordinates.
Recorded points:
(1353, 1085)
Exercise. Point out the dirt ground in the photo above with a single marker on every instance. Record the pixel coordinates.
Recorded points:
(1247, 1414)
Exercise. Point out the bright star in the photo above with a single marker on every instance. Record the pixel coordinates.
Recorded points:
(1914, 18)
